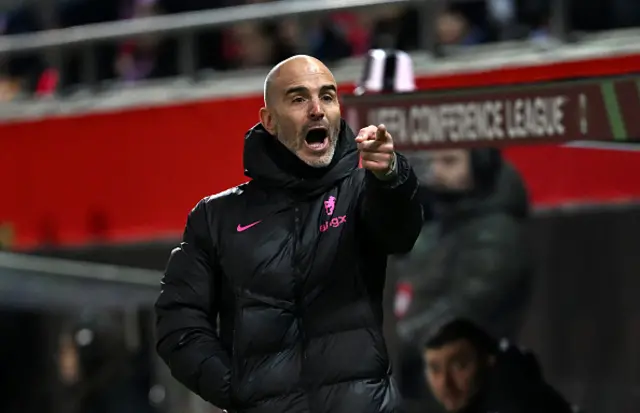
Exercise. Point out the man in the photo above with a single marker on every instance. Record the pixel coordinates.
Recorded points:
(292, 263)
(470, 260)
(469, 372)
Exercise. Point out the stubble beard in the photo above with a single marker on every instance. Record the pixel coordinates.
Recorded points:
(296, 146)
(323, 160)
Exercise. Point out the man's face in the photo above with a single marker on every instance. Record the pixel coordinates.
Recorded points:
(453, 374)
(304, 112)
(451, 28)
(449, 169)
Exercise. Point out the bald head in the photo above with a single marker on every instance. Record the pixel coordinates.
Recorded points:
(288, 70)
(302, 109)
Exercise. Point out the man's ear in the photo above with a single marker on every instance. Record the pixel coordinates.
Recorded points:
(267, 120)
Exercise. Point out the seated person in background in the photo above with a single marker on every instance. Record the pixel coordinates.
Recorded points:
(468, 371)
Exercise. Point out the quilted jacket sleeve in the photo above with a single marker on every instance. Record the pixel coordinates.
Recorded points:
(186, 315)
(390, 211)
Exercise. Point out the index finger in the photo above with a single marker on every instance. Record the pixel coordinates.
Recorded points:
(381, 133)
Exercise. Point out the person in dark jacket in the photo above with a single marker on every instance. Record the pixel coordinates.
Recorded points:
(292, 263)
(471, 259)
(469, 371)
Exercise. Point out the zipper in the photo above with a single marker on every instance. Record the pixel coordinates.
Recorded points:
(298, 284)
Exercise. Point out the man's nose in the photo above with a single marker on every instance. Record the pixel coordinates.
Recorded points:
(316, 111)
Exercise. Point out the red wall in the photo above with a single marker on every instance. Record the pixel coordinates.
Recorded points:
(135, 174)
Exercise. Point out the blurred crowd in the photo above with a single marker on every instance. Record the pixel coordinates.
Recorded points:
(247, 45)
(84, 362)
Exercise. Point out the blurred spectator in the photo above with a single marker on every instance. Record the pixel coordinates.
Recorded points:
(9, 88)
(147, 56)
(48, 83)
(210, 43)
(534, 15)
(466, 24)
(73, 13)
(258, 44)
(254, 47)
(100, 373)
(68, 360)
(461, 24)
(22, 71)
(330, 41)
(396, 28)
(469, 371)
(471, 258)
(354, 28)
(453, 28)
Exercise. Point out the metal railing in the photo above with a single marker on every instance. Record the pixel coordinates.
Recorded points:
(181, 23)
(41, 281)
(186, 25)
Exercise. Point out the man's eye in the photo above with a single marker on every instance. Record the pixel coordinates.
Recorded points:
(327, 98)
(298, 99)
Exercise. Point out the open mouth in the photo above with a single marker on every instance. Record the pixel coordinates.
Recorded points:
(317, 139)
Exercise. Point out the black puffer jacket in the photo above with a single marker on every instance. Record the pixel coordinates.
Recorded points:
(293, 263)
(515, 384)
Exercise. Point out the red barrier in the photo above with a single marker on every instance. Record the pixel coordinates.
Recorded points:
(134, 174)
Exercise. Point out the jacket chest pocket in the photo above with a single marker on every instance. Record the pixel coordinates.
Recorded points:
(259, 259)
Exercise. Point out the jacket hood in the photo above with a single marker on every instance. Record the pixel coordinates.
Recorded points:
(509, 195)
(270, 164)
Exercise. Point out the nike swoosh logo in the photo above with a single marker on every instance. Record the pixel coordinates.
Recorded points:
(246, 227)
